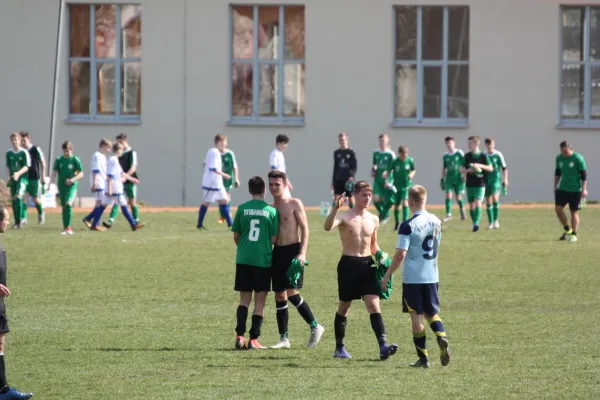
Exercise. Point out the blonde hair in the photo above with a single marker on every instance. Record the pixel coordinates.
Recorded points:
(418, 194)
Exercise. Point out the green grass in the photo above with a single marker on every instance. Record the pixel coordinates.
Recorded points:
(151, 315)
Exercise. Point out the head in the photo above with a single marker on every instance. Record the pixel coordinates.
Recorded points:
(277, 183)
(489, 144)
(117, 149)
(122, 139)
(450, 143)
(221, 142)
(474, 143)
(384, 141)
(4, 218)
(105, 145)
(417, 197)
(67, 148)
(256, 187)
(25, 139)
(566, 149)
(362, 194)
(15, 139)
(281, 142)
(402, 152)
(343, 140)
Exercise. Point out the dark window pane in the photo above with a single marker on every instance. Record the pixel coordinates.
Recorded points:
(433, 32)
(294, 32)
(79, 84)
(572, 33)
(432, 92)
(572, 91)
(458, 91)
(458, 33)
(268, 33)
(595, 34)
(79, 31)
(406, 33)
(243, 33)
(595, 114)
(406, 91)
(241, 86)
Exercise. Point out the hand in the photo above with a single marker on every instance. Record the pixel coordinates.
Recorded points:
(134, 180)
(339, 202)
(301, 257)
(584, 193)
(226, 176)
(46, 180)
(385, 174)
(505, 184)
(4, 292)
(69, 182)
(15, 176)
(384, 282)
(237, 183)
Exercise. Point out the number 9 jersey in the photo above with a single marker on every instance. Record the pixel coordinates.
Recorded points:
(257, 223)
(420, 236)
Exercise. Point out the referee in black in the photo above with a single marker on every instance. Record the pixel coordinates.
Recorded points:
(6, 392)
(344, 170)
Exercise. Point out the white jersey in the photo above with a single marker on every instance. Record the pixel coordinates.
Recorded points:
(212, 163)
(420, 236)
(114, 172)
(98, 168)
(277, 161)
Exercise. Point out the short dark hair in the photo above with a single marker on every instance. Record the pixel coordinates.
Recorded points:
(220, 137)
(24, 134)
(449, 138)
(122, 136)
(402, 149)
(565, 144)
(116, 147)
(67, 145)
(475, 139)
(256, 186)
(105, 142)
(362, 185)
(281, 139)
(275, 174)
(489, 140)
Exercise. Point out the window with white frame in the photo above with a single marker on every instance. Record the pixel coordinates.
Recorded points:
(431, 65)
(267, 64)
(105, 62)
(580, 66)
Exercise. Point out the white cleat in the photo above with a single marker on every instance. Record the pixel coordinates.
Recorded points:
(24, 222)
(572, 238)
(448, 218)
(496, 224)
(41, 219)
(491, 226)
(315, 336)
(281, 344)
(384, 221)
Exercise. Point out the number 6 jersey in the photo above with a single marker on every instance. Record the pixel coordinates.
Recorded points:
(256, 222)
(420, 236)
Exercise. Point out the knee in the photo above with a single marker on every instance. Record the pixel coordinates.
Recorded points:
(281, 296)
(343, 309)
(558, 209)
(418, 327)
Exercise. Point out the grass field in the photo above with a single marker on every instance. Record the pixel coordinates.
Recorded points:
(151, 315)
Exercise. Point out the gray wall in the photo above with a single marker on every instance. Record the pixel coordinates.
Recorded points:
(514, 94)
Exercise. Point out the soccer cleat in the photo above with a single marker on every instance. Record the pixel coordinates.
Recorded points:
(138, 226)
(202, 228)
(475, 228)
(97, 228)
(24, 221)
(315, 336)
(491, 226)
(396, 226)
(107, 225)
(572, 238)
(16, 226)
(341, 353)
(444, 351)
(463, 216)
(87, 223)
(448, 218)
(385, 220)
(254, 345)
(67, 231)
(566, 234)
(283, 343)
(221, 220)
(41, 219)
(240, 343)
(496, 224)
(14, 394)
(387, 350)
(420, 363)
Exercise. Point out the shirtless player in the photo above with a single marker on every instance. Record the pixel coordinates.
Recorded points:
(356, 276)
(289, 247)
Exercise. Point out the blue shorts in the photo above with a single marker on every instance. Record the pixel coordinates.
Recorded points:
(420, 298)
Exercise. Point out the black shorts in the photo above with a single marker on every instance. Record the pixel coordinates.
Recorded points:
(562, 198)
(249, 278)
(339, 187)
(420, 298)
(356, 278)
(3, 319)
(281, 261)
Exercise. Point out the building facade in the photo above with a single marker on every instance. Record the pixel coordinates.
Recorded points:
(172, 74)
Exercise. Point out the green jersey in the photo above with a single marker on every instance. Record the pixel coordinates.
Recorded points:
(497, 161)
(384, 161)
(256, 222)
(67, 168)
(452, 164)
(402, 170)
(569, 169)
(228, 162)
(15, 161)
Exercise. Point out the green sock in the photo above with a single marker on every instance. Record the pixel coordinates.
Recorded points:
(313, 324)
(405, 213)
(351, 205)
(477, 214)
(114, 211)
(448, 206)
(135, 212)
(40, 209)
(472, 214)
(378, 207)
(420, 340)
(490, 213)
(23, 210)
(461, 204)
(397, 215)
(496, 210)
(18, 209)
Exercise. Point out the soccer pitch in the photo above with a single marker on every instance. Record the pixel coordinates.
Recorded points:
(151, 315)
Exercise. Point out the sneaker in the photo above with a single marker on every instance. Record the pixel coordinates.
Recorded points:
(385, 220)
(240, 343)
(97, 229)
(496, 224)
(315, 336)
(387, 350)
(254, 345)
(566, 234)
(444, 351)
(138, 226)
(341, 353)
(475, 228)
(41, 219)
(87, 223)
(283, 343)
(420, 363)
(396, 226)
(448, 218)
(221, 220)
(14, 394)
(491, 226)
(24, 221)
(572, 238)
(67, 231)
(107, 225)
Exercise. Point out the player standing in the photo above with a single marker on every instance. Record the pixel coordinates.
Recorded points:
(494, 179)
(452, 178)
(212, 182)
(276, 158)
(17, 165)
(289, 247)
(570, 187)
(404, 171)
(356, 275)
(417, 249)
(36, 177)
(230, 167)
(254, 232)
(382, 172)
(69, 170)
(344, 170)
(6, 392)
(98, 185)
(474, 165)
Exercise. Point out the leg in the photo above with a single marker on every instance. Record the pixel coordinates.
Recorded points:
(282, 315)
(257, 315)
(575, 221)
(396, 215)
(242, 317)
(134, 208)
(224, 208)
(448, 205)
(339, 323)
(436, 325)
(489, 208)
(372, 304)
(419, 339)
(201, 214)
(562, 216)
(459, 188)
(123, 203)
(4, 388)
(496, 208)
(316, 330)
(405, 210)
(98, 214)
(40, 208)
(114, 211)
(24, 199)
(351, 201)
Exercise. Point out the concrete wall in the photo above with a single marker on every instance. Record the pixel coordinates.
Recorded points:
(514, 94)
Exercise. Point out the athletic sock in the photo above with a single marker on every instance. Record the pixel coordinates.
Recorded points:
(397, 215)
(67, 215)
(98, 215)
(40, 208)
(18, 205)
(24, 209)
(201, 215)
(477, 214)
(461, 204)
(114, 211)
(448, 206)
(490, 213)
(128, 216)
(242, 316)
(304, 310)
(420, 341)
(437, 326)
(496, 210)
(135, 212)
(282, 315)
(224, 208)
(3, 385)
(378, 327)
(405, 213)
(257, 321)
(339, 325)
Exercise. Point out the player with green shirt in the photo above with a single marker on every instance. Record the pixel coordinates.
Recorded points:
(69, 170)
(495, 179)
(17, 165)
(475, 165)
(403, 171)
(255, 228)
(570, 187)
(382, 172)
(452, 178)
(36, 177)
(230, 167)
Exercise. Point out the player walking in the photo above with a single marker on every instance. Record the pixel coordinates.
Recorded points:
(417, 249)
(344, 170)
(382, 172)
(404, 171)
(69, 170)
(98, 185)
(452, 178)
(276, 158)
(17, 165)
(494, 179)
(254, 232)
(356, 275)
(230, 167)
(36, 177)
(474, 165)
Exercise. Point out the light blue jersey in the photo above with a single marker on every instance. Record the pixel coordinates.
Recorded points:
(420, 236)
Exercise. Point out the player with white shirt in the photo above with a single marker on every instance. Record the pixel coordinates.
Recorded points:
(417, 248)
(98, 185)
(114, 194)
(212, 183)
(277, 160)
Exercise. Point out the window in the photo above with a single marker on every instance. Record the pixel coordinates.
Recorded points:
(431, 66)
(105, 64)
(267, 65)
(580, 66)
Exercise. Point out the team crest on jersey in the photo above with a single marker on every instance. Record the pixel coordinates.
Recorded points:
(407, 167)
(347, 155)
(560, 164)
(70, 166)
(571, 164)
